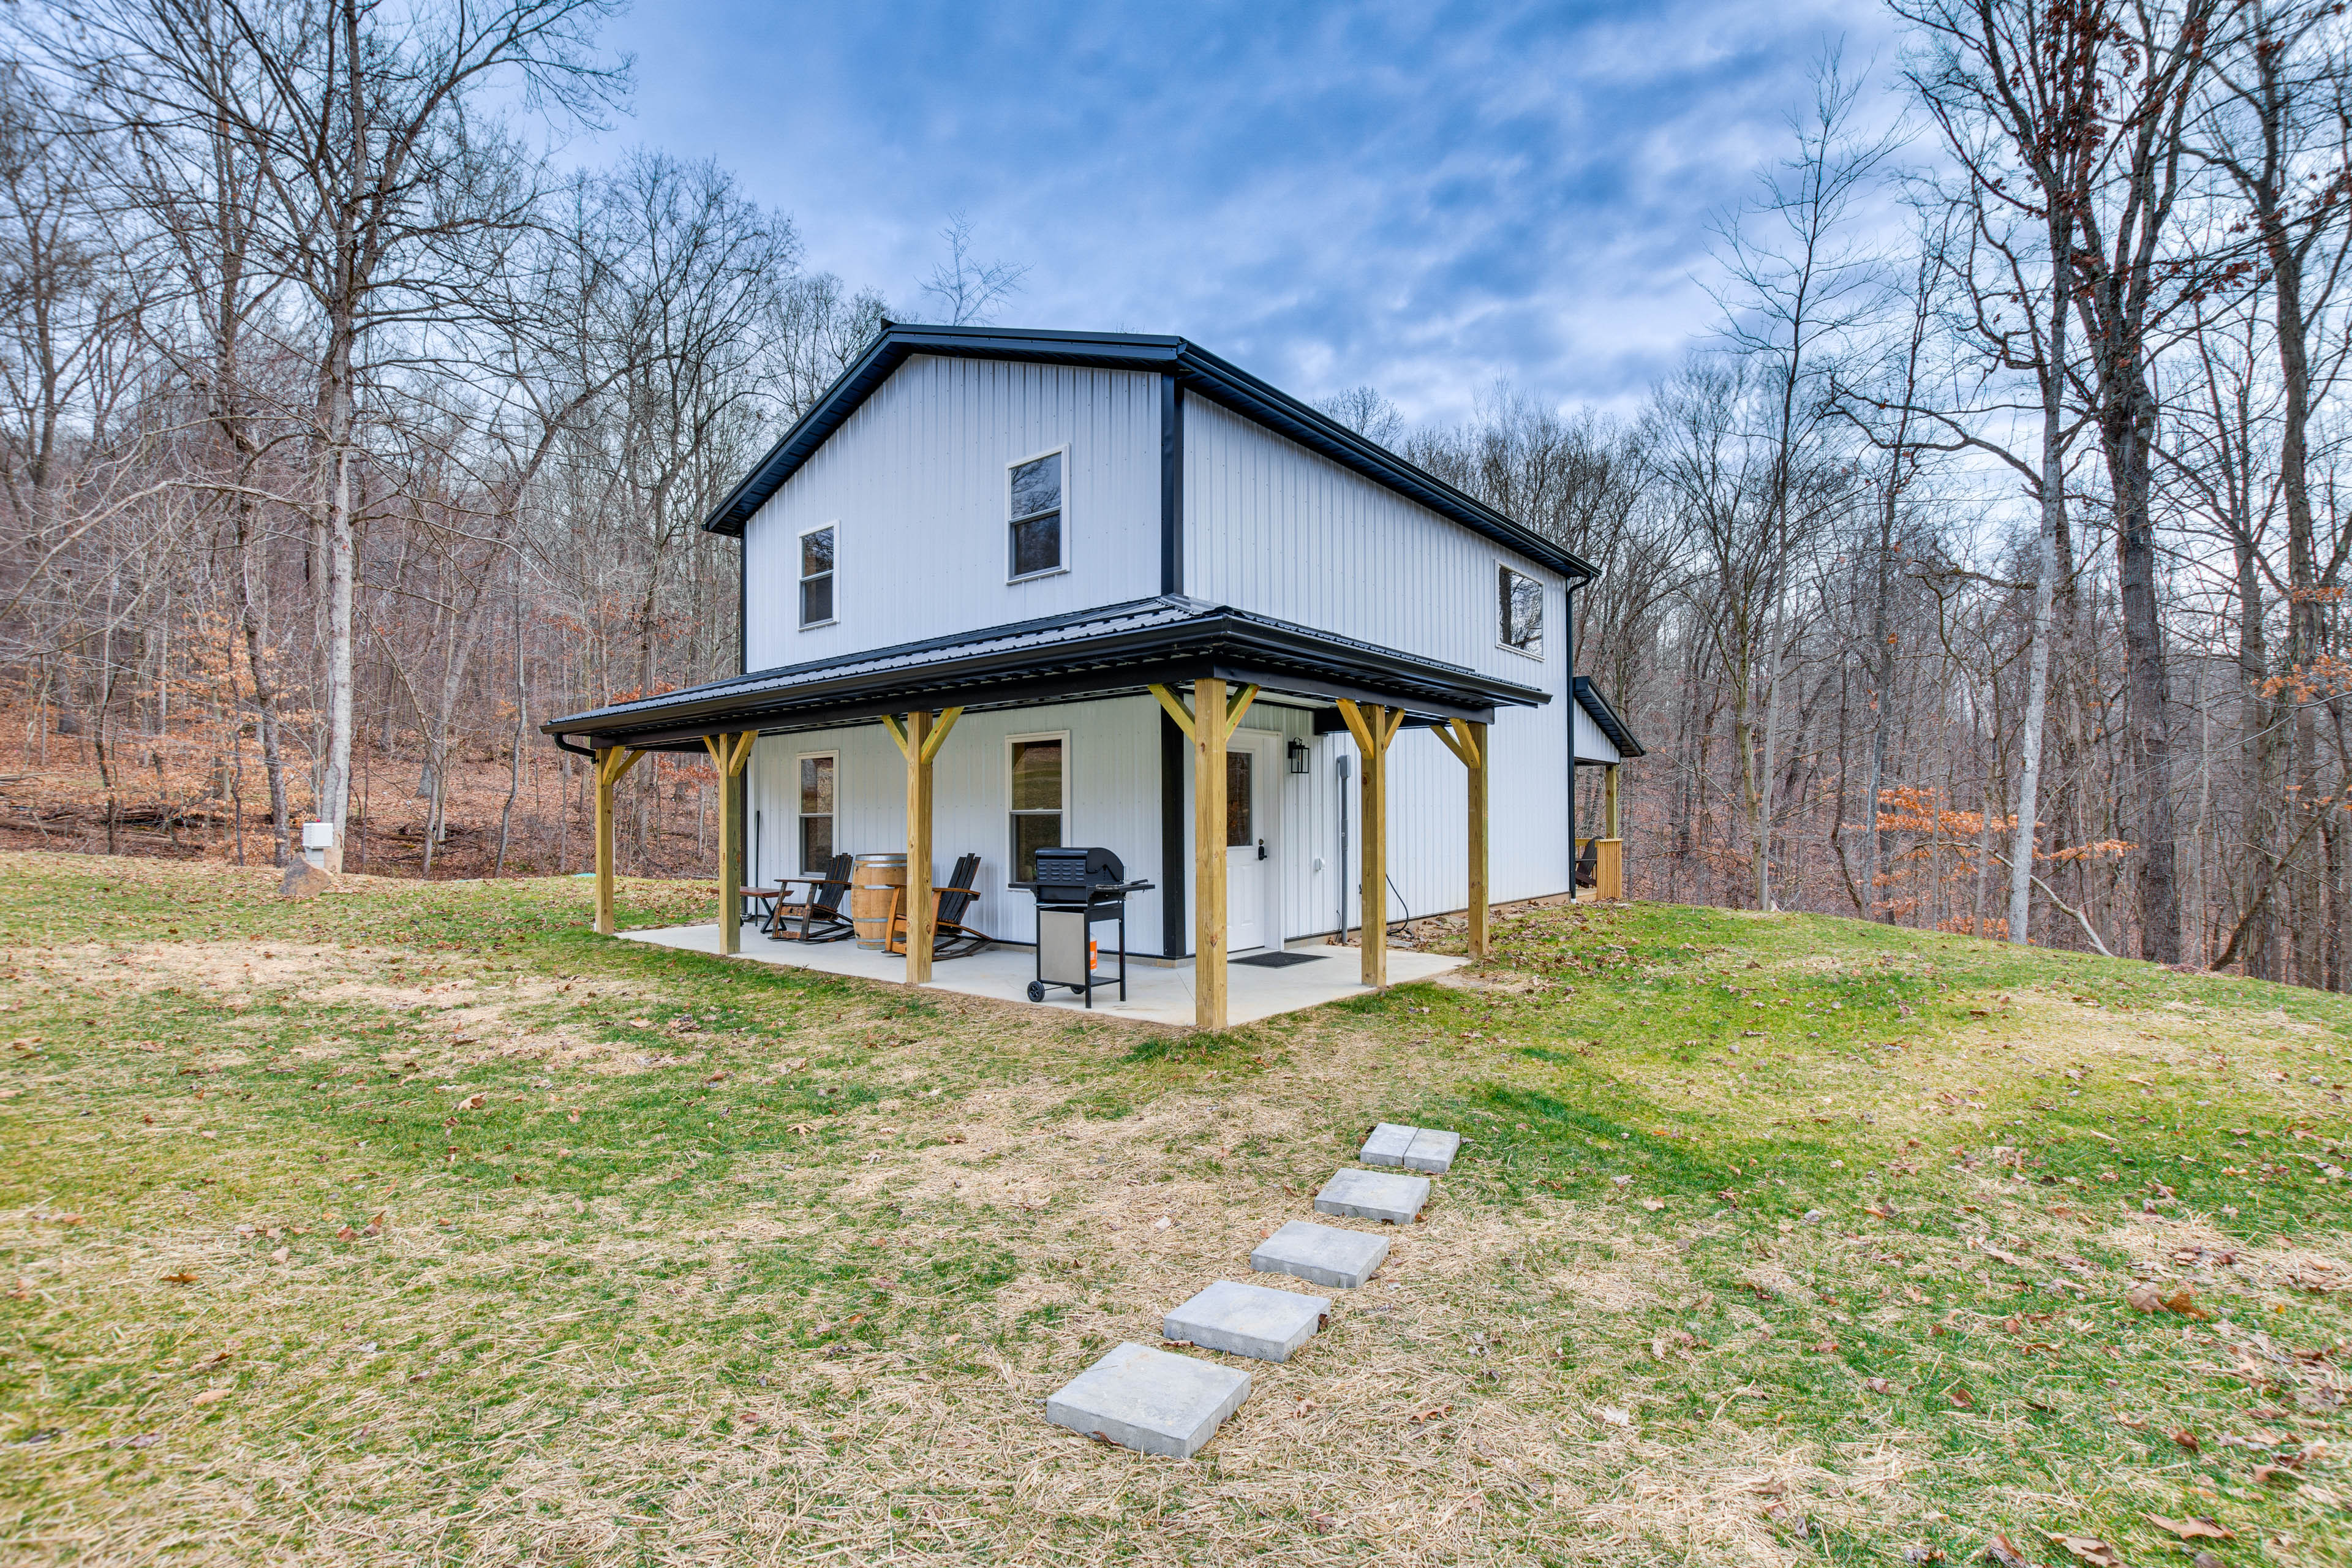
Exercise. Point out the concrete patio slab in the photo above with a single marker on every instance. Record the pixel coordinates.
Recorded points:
(1321, 1254)
(1373, 1194)
(1254, 1320)
(1387, 1144)
(1152, 1401)
(1157, 994)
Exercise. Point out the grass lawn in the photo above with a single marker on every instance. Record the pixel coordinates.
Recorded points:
(416, 1223)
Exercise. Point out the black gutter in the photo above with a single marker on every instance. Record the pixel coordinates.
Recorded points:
(1214, 643)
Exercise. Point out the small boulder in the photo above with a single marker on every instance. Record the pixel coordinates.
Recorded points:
(304, 880)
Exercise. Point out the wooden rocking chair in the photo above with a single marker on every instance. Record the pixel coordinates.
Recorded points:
(950, 937)
(816, 916)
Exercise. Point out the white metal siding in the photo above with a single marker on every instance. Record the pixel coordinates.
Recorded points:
(1271, 527)
(917, 480)
(1591, 745)
(1111, 791)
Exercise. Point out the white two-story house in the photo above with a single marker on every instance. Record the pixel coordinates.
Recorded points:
(1047, 551)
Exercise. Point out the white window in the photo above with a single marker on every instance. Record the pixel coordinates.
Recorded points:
(815, 814)
(1041, 769)
(1519, 600)
(1034, 489)
(817, 576)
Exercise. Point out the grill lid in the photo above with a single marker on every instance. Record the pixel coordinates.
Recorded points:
(1078, 868)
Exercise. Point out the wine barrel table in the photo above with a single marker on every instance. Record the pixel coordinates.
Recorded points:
(876, 884)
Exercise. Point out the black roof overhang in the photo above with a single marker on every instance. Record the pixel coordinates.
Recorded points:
(1589, 698)
(1235, 650)
(1195, 369)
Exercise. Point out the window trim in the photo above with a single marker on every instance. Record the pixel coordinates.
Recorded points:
(800, 816)
(1063, 513)
(1012, 848)
(1543, 605)
(801, 577)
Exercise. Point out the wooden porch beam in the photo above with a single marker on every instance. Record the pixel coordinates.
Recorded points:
(1176, 708)
(1236, 708)
(939, 736)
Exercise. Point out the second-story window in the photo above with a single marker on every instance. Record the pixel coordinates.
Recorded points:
(1520, 612)
(1036, 516)
(817, 576)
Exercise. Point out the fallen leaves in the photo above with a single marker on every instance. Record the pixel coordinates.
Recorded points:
(182, 1278)
(211, 1396)
(2143, 1297)
(2192, 1529)
(2090, 1549)
(2004, 1553)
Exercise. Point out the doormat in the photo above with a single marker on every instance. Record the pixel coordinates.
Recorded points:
(1281, 960)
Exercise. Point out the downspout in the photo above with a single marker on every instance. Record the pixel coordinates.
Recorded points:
(1569, 692)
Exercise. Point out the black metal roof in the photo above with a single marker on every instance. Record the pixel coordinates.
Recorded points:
(1101, 652)
(1589, 698)
(1195, 369)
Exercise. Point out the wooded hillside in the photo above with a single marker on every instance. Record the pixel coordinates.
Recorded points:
(1979, 570)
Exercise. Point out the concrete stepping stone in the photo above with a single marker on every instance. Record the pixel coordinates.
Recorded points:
(1433, 1151)
(1321, 1254)
(1152, 1401)
(1373, 1194)
(1254, 1320)
(1427, 1148)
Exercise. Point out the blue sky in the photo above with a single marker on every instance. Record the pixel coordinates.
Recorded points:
(1427, 198)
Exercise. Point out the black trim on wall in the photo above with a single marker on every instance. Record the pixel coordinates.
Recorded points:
(1172, 485)
(742, 606)
(1173, 871)
(1570, 714)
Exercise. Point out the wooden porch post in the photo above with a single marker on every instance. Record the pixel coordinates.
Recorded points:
(1210, 723)
(1610, 824)
(1468, 743)
(1209, 853)
(1374, 727)
(1473, 740)
(612, 762)
(921, 739)
(729, 753)
(920, 916)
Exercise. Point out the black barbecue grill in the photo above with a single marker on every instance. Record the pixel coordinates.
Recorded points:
(1076, 889)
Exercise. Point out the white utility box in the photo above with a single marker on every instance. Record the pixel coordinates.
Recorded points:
(318, 837)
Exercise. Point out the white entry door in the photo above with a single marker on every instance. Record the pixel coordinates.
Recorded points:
(1252, 840)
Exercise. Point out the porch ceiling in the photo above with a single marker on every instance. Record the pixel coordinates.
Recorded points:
(1118, 649)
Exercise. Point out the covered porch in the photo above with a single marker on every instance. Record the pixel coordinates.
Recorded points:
(1157, 993)
(1603, 743)
(1203, 666)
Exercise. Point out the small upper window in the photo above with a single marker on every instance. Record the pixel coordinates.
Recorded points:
(1037, 516)
(1520, 612)
(817, 576)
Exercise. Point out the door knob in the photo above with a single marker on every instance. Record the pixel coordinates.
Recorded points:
(1261, 849)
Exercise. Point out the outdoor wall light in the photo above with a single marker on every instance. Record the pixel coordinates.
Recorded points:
(1298, 756)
